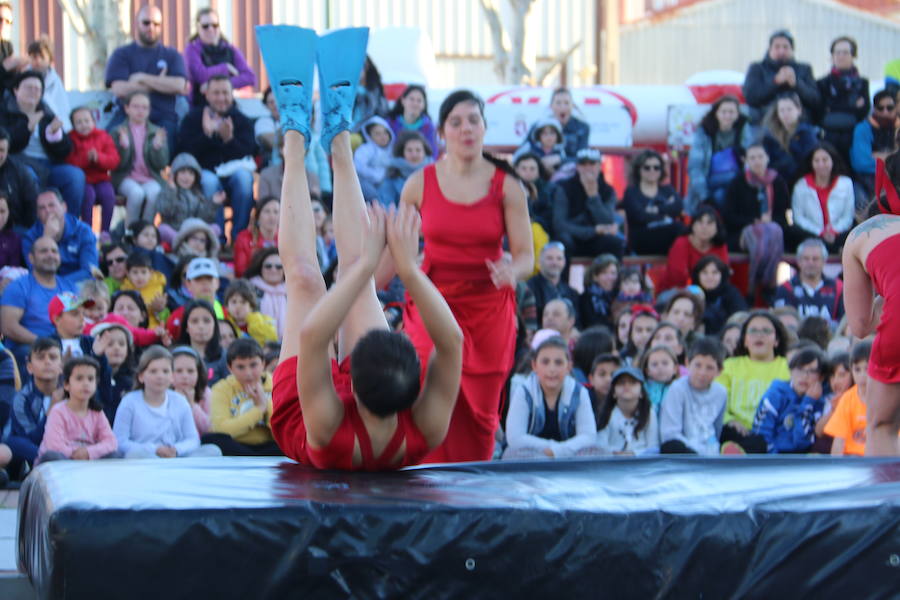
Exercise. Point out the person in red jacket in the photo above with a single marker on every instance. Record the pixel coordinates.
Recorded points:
(262, 233)
(707, 236)
(94, 152)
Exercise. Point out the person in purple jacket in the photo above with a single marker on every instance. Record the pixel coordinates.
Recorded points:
(208, 53)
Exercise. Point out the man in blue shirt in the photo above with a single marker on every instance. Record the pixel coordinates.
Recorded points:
(145, 65)
(75, 241)
(23, 307)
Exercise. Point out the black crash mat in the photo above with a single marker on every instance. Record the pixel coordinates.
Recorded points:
(253, 528)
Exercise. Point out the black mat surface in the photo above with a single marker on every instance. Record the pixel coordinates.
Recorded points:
(763, 527)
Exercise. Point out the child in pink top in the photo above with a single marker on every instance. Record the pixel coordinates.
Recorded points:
(77, 429)
(190, 379)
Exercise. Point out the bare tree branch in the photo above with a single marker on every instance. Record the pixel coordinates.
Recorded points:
(77, 18)
(558, 62)
(501, 56)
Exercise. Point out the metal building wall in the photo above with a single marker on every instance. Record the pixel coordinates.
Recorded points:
(730, 34)
(457, 29)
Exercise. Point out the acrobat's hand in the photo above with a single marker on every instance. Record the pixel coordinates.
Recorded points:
(373, 235)
(403, 237)
(501, 272)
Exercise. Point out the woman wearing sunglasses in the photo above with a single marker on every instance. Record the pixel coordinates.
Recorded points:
(112, 264)
(653, 210)
(208, 53)
(266, 273)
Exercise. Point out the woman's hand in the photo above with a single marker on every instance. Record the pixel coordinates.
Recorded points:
(502, 272)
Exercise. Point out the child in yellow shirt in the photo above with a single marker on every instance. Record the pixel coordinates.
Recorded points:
(151, 285)
(242, 305)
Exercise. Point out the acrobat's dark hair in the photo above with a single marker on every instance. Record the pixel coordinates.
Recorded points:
(384, 370)
(458, 97)
(84, 361)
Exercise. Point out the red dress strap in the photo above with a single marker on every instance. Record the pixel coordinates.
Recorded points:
(883, 182)
(369, 462)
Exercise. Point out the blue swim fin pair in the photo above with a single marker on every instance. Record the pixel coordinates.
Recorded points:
(291, 53)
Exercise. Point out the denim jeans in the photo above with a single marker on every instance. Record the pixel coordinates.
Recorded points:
(69, 180)
(239, 188)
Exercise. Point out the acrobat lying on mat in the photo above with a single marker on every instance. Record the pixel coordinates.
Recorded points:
(364, 409)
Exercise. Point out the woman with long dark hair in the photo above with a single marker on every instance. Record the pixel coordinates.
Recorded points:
(823, 197)
(410, 113)
(653, 209)
(713, 160)
(706, 236)
(469, 201)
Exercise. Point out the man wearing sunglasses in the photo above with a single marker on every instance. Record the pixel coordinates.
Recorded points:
(873, 138)
(146, 65)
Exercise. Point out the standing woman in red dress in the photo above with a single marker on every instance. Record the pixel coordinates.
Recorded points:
(469, 201)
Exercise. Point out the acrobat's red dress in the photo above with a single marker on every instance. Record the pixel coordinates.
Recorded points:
(289, 430)
(458, 240)
(884, 269)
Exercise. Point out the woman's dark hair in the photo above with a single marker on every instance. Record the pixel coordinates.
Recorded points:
(710, 259)
(207, 11)
(137, 299)
(838, 166)
(637, 163)
(710, 124)
(680, 358)
(202, 377)
(384, 369)
(593, 342)
(816, 329)
(708, 210)
(808, 354)
(175, 279)
(397, 109)
(781, 336)
(257, 260)
(697, 302)
(600, 264)
(458, 97)
(543, 173)
(105, 251)
(29, 75)
(406, 136)
(371, 77)
(643, 409)
(84, 361)
(213, 350)
(626, 273)
(9, 219)
(844, 38)
(135, 229)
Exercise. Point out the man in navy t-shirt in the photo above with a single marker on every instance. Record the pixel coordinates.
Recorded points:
(145, 65)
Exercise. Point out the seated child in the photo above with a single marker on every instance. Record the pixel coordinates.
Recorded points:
(600, 379)
(601, 286)
(374, 156)
(150, 283)
(242, 304)
(189, 380)
(114, 349)
(228, 332)
(690, 417)
(632, 289)
(96, 301)
(627, 421)
(94, 152)
(129, 305)
(30, 405)
(76, 428)
(155, 421)
(241, 406)
(183, 199)
(66, 312)
(201, 282)
(839, 381)
(788, 411)
(144, 238)
(660, 368)
(546, 142)
(847, 424)
(550, 414)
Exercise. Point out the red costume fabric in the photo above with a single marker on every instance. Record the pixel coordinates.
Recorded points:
(884, 269)
(459, 238)
(682, 258)
(289, 430)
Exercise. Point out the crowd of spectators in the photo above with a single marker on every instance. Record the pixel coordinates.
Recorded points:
(155, 334)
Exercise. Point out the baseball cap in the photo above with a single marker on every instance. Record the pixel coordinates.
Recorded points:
(201, 267)
(588, 155)
(113, 321)
(630, 371)
(64, 302)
